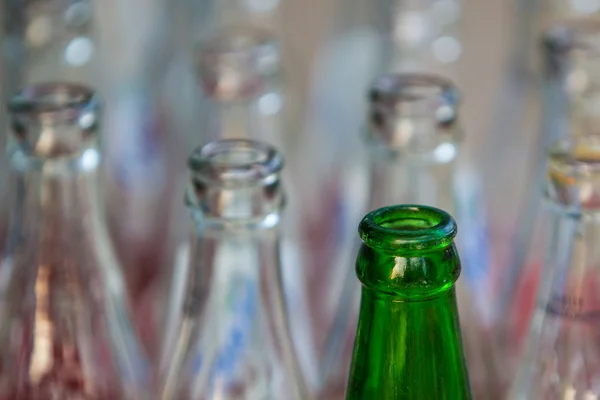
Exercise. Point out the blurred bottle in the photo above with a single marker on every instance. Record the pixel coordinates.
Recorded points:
(414, 145)
(408, 342)
(560, 359)
(42, 41)
(65, 332)
(228, 335)
(569, 100)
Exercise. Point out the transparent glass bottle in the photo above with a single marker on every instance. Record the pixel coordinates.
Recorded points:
(63, 308)
(560, 358)
(228, 335)
(414, 143)
(50, 40)
(569, 109)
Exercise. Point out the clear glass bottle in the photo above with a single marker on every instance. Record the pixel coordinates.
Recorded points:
(228, 335)
(50, 40)
(560, 358)
(63, 309)
(414, 144)
(569, 109)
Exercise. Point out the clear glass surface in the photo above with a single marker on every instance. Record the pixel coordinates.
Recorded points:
(560, 357)
(569, 110)
(228, 335)
(65, 331)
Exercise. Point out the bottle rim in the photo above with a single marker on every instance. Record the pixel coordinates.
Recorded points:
(439, 95)
(236, 163)
(572, 173)
(57, 101)
(54, 125)
(402, 104)
(234, 63)
(407, 227)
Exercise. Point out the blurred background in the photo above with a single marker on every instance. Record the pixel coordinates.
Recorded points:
(166, 71)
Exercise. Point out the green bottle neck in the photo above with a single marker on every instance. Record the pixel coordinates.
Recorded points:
(408, 342)
(408, 349)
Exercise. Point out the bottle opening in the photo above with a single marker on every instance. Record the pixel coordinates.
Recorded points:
(234, 63)
(54, 121)
(407, 227)
(414, 112)
(412, 94)
(236, 162)
(573, 173)
(59, 99)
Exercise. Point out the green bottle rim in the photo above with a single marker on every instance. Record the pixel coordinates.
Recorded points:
(407, 227)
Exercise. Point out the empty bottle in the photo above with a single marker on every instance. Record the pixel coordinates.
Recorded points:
(560, 358)
(228, 335)
(408, 342)
(570, 100)
(65, 331)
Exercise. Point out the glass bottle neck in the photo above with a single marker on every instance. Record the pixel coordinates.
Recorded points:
(406, 349)
(57, 208)
(233, 293)
(411, 176)
(572, 259)
(255, 117)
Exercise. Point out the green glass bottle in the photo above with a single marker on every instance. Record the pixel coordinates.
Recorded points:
(408, 343)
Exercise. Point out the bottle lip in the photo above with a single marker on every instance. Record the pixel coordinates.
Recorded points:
(572, 174)
(407, 227)
(54, 125)
(55, 101)
(396, 92)
(403, 105)
(236, 163)
(234, 62)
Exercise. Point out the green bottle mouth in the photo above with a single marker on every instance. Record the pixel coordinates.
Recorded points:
(407, 227)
